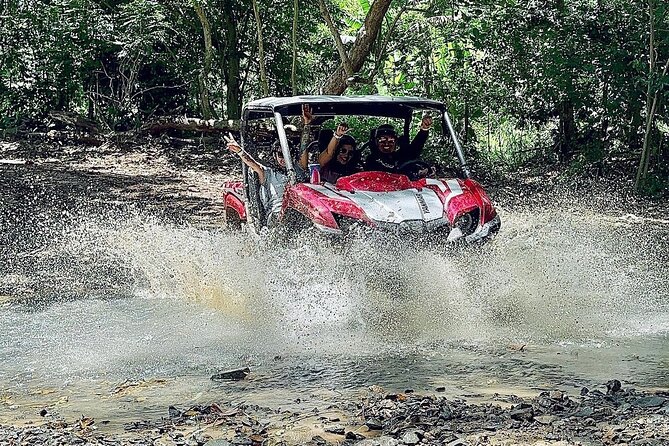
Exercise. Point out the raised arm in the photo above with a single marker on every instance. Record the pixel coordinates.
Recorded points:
(416, 146)
(329, 153)
(305, 139)
(235, 148)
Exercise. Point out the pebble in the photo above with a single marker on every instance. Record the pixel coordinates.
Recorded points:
(410, 438)
(218, 442)
(232, 375)
(613, 386)
(650, 401)
(336, 429)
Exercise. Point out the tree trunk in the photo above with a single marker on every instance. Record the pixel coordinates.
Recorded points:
(189, 124)
(203, 78)
(567, 130)
(261, 52)
(336, 82)
(293, 70)
(232, 63)
(644, 163)
(651, 102)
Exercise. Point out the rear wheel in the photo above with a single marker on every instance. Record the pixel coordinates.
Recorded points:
(231, 220)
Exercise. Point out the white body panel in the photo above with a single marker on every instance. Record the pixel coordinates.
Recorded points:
(391, 207)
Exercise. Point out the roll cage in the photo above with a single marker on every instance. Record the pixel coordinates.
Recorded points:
(323, 108)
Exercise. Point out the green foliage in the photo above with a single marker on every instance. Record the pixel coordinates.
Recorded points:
(522, 79)
(655, 185)
(505, 146)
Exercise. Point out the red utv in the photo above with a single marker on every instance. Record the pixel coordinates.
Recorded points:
(451, 208)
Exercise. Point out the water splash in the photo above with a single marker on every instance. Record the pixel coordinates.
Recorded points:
(120, 293)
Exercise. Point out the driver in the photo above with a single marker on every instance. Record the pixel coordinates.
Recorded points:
(388, 154)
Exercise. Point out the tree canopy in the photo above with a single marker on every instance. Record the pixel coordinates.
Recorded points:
(582, 82)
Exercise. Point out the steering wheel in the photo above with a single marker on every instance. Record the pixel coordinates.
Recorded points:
(416, 169)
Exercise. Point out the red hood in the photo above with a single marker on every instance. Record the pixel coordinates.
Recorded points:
(376, 182)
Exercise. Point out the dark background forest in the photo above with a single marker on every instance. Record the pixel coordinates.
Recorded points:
(580, 85)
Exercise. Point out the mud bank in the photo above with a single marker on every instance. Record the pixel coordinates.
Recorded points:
(613, 416)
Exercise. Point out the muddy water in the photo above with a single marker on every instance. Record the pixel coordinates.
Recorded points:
(117, 315)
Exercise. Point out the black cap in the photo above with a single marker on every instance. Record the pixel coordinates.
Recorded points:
(385, 130)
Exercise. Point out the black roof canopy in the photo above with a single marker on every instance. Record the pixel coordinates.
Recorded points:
(371, 105)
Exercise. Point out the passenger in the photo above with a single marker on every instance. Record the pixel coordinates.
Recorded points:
(386, 156)
(341, 157)
(306, 136)
(272, 181)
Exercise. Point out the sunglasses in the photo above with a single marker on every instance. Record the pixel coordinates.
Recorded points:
(346, 151)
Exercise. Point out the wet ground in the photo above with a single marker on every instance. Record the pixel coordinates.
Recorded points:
(121, 296)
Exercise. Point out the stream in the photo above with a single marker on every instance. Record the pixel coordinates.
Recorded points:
(118, 314)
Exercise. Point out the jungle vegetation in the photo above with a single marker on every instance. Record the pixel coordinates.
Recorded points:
(578, 83)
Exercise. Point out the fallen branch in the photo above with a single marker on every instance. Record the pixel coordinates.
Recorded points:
(190, 124)
(64, 119)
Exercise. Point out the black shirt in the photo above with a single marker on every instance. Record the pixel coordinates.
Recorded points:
(390, 162)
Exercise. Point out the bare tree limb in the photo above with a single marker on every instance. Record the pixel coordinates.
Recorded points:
(337, 37)
(382, 48)
(293, 70)
(261, 51)
(336, 82)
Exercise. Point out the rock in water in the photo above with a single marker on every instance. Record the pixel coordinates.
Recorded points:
(387, 441)
(232, 375)
(350, 435)
(218, 442)
(650, 401)
(584, 412)
(522, 412)
(613, 386)
(174, 412)
(318, 440)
